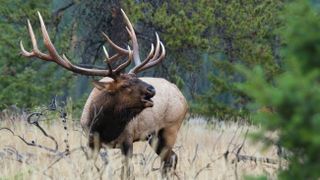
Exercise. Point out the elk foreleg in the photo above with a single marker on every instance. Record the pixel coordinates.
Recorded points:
(127, 151)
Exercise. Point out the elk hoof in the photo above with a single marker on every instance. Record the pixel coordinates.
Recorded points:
(170, 164)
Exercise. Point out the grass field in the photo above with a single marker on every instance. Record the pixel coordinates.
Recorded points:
(204, 151)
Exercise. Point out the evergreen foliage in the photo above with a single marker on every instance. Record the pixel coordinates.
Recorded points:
(294, 95)
(25, 82)
(244, 32)
(228, 32)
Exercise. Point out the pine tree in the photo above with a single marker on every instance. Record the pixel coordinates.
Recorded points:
(293, 95)
(25, 82)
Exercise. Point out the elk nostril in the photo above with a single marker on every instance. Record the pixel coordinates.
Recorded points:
(151, 90)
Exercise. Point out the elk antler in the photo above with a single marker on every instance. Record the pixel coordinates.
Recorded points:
(63, 61)
(151, 60)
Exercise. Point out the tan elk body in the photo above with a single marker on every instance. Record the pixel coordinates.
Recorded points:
(123, 108)
(168, 112)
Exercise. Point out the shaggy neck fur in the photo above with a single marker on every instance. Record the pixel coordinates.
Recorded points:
(110, 120)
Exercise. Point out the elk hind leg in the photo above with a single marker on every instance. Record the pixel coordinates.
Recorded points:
(163, 143)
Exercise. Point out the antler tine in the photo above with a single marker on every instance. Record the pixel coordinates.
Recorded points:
(63, 61)
(154, 61)
(105, 52)
(120, 67)
(116, 47)
(125, 64)
(149, 57)
(47, 42)
(34, 42)
(157, 48)
(151, 51)
(107, 60)
(135, 46)
(35, 52)
(114, 57)
(32, 36)
(151, 61)
(24, 52)
(129, 32)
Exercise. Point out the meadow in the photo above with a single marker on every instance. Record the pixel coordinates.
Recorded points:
(218, 150)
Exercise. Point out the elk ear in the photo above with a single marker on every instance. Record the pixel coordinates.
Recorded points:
(104, 86)
(99, 85)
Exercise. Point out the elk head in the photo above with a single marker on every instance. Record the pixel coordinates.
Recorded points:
(125, 91)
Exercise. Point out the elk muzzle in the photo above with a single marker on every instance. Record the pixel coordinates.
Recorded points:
(149, 93)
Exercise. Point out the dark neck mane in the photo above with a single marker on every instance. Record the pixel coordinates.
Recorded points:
(108, 122)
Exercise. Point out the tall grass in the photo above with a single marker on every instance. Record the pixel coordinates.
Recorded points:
(204, 152)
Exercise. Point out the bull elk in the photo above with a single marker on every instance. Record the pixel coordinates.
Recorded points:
(123, 108)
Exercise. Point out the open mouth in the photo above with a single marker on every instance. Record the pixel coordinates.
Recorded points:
(147, 101)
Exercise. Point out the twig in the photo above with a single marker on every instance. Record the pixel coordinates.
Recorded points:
(255, 159)
(20, 157)
(59, 11)
(227, 151)
(207, 167)
(237, 154)
(243, 142)
(52, 107)
(63, 116)
(32, 143)
(195, 154)
(61, 156)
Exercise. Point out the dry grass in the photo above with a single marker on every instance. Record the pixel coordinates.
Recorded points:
(201, 150)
